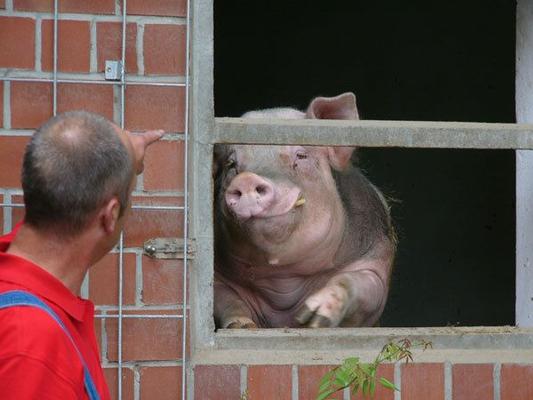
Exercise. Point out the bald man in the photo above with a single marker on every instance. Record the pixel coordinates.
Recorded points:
(78, 173)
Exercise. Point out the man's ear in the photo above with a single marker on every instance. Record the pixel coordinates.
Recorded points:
(110, 215)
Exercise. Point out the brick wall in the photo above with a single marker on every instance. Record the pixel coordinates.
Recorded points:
(89, 34)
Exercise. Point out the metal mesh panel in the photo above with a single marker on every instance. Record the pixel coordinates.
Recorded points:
(8, 205)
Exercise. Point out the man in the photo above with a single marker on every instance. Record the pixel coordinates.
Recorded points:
(77, 176)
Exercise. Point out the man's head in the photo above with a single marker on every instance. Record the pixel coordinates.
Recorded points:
(73, 165)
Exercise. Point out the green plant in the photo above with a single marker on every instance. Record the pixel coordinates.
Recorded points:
(362, 376)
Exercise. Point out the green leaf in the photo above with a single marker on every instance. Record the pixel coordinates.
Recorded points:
(342, 378)
(325, 395)
(366, 387)
(388, 384)
(372, 387)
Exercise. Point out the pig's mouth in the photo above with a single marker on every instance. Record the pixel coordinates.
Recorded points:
(292, 200)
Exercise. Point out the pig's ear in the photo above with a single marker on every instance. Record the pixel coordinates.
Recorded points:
(339, 157)
(342, 106)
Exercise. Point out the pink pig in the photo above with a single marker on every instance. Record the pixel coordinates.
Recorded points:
(302, 238)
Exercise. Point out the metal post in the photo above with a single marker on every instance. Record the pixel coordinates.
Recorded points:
(54, 86)
(186, 209)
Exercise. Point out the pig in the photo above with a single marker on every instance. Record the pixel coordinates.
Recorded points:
(302, 238)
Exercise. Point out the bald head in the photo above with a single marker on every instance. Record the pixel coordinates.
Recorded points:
(72, 165)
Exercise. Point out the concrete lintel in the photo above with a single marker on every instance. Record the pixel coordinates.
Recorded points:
(332, 357)
(423, 134)
(324, 346)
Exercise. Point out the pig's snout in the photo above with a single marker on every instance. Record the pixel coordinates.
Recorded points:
(249, 195)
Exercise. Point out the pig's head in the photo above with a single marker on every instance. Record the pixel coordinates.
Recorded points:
(277, 205)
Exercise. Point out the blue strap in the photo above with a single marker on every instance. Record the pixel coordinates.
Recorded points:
(20, 298)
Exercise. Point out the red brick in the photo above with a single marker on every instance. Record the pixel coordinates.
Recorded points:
(155, 107)
(2, 215)
(423, 382)
(73, 46)
(164, 49)
(104, 280)
(1, 104)
(89, 97)
(171, 8)
(142, 225)
(161, 383)
(162, 281)
(111, 377)
(31, 104)
(71, 6)
(164, 166)
(309, 377)
(516, 382)
(98, 332)
(11, 154)
(217, 382)
(2, 4)
(109, 38)
(386, 371)
(145, 339)
(17, 42)
(472, 381)
(17, 213)
(270, 382)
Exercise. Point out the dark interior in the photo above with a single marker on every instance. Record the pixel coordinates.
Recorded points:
(454, 210)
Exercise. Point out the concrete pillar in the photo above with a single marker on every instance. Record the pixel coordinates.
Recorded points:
(524, 166)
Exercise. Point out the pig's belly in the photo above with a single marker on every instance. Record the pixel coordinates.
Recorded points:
(275, 302)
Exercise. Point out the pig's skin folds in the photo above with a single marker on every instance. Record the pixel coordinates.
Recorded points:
(302, 238)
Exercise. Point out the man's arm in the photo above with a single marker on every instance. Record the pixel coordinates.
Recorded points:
(25, 378)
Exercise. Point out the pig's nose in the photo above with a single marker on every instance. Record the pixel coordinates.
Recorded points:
(249, 195)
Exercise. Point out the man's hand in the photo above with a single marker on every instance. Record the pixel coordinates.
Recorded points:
(140, 141)
(136, 143)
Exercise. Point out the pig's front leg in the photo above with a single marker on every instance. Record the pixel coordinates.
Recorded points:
(354, 297)
(230, 310)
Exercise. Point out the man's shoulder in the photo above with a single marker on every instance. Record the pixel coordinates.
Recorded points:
(32, 331)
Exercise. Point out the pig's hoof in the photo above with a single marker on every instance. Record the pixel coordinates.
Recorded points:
(311, 319)
(324, 309)
(243, 323)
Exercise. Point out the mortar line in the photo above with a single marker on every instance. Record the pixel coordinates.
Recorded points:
(118, 10)
(448, 381)
(99, 17)
(138, 280)
(7, 213)
(38, 44)
(244, 380)
(346, 393)
(398, 381)
(136, 383)
(295, 383)
(496, 380)
(97, 78)
(140, 182)
(137, 363)
(94, 48)
(116, 104)
(7, 105)
(139, 44)
(84, 292)
(103, 338)
(9, 5)
(15, 132)
(190, 382)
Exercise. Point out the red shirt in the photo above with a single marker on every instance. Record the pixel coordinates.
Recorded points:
(37, 360)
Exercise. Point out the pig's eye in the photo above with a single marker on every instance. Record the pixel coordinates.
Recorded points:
(231, 164)
(301, 156)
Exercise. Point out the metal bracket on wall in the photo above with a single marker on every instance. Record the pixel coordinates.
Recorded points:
(113, 70)
(169, 248)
